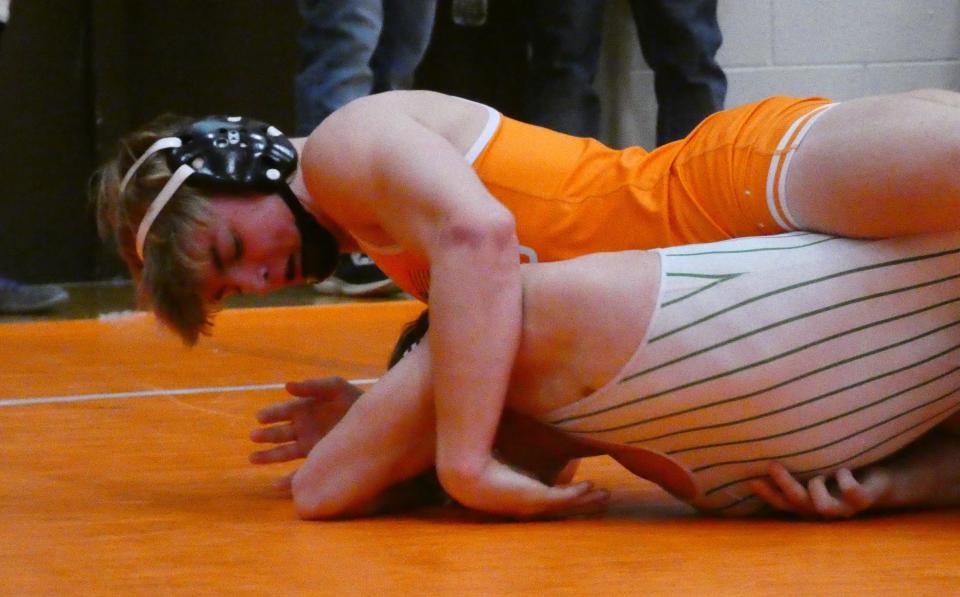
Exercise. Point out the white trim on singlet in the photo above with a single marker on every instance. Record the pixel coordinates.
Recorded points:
(493, 123)
(785, 155)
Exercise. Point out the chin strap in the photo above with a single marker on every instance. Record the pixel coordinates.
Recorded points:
(318, 247)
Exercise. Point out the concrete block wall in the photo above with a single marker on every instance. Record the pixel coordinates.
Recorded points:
(837, 48)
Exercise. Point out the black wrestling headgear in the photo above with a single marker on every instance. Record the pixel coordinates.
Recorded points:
(237, 155)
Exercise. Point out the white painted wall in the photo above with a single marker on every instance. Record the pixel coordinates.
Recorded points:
(836, 48)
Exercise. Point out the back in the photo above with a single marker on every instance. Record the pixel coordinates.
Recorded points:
(813, 351)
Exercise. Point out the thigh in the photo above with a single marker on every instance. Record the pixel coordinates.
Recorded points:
(568, 31)
(728, 171)
(880, 166)
(565, 40)
(677, 31)
(347, 29)
(407, 28)
(336, 42)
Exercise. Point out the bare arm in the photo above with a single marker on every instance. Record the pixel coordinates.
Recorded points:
(295, 426)
(390, 172)
(385, 437)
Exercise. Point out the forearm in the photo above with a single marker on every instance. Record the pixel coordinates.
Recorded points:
(476, 310)
(386, 436)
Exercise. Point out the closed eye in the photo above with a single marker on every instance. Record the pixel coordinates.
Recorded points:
(237, 247)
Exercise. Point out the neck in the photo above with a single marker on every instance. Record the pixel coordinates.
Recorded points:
(345, 240)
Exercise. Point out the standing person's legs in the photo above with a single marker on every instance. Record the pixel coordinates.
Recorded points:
(680, 39)
(336, 44)
(4, 15)
(565, 38)
(16, 298)
(407, 27)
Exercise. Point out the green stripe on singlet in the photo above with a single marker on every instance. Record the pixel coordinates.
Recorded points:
(757, 250)
(798, 405)
(803, 284)
(793, 319)
(718, 279)
(767, 389)
(839, 440)
(765, 361)
(942, 415)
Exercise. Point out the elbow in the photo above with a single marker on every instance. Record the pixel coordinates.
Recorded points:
(493, 232)
(313, 501)
(310, 506)
(461, 481)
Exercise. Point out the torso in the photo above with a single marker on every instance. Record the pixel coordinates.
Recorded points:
(569, 196)
(582, 320)
(811, 351)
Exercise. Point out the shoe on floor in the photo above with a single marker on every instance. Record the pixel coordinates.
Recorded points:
(357, 275)
(17, 299)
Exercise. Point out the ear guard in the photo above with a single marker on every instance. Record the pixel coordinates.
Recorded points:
(237, 155)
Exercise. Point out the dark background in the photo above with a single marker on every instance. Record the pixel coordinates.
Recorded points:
(75, 75)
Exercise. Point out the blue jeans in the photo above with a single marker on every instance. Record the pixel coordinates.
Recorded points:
(679, 40)
(352, 48)
(564, 42)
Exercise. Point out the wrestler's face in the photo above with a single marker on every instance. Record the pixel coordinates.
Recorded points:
(253, 245)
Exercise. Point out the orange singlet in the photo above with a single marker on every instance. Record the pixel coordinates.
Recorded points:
(572, 196)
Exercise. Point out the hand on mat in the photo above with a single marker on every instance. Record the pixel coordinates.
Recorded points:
(303, 421)
(840, 495)
(501, 489)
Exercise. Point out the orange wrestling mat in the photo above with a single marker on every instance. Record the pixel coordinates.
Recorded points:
(124, 463)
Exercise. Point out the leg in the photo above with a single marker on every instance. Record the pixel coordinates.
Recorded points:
(342, 46)
(565, 51)
(336, 44)
(679, 40)
(407, 25)
(880, 166)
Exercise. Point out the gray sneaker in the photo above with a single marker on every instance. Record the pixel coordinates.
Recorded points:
(16, 298)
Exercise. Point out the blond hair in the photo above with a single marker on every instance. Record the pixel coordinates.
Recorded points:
(170, 277)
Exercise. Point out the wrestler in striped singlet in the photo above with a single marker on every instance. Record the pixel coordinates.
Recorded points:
(813, 351)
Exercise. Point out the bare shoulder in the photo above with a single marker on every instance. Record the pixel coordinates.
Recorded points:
(369, 119)
(373, 163)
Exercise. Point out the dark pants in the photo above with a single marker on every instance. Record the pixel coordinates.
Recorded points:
(679, 40)
(352, 48)
(564, 38)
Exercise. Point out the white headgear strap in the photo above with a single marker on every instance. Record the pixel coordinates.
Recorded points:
(168, 190)
(182, 173)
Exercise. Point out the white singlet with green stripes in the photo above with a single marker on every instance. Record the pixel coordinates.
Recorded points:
(814, 351)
